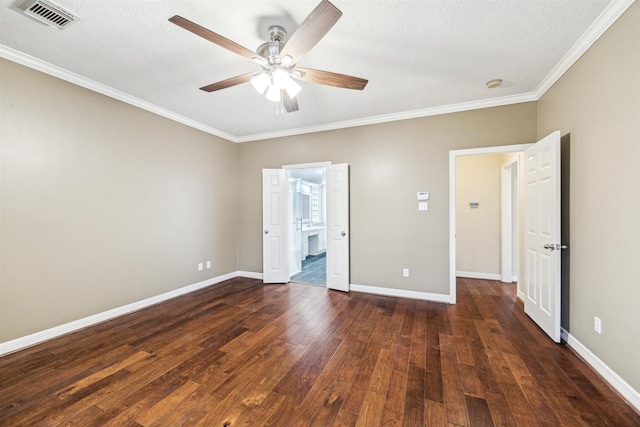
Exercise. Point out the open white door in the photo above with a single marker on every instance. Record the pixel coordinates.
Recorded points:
(542, 234)
(338, 227)
(274, 226)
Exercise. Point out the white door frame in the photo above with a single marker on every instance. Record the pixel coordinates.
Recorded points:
(453, 155)
(307, 165)
(508, 171)
(288, 168)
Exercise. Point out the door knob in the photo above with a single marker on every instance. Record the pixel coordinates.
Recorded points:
(553, 247)
(266, 231)
(344, 233)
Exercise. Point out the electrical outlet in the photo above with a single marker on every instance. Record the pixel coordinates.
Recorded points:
(208, 264)
(597, 324)
(199, 266)
(405, 272)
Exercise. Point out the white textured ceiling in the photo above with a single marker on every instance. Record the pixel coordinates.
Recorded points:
(420, 57)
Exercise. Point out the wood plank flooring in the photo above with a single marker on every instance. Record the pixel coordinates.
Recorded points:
(243, 354)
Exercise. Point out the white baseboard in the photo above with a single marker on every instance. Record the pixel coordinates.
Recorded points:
(390, 292)
(250, 275)
(620, 385)
(474, 275)
(521, 295)
(57, 331)
(514, 278)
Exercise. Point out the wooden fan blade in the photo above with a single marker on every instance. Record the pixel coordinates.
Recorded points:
(233, 81)
(331, 79)
(290, 104)
(214, 38)
(311, 31)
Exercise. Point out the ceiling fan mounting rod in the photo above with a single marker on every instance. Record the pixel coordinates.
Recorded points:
(271, 49)
(277, 33)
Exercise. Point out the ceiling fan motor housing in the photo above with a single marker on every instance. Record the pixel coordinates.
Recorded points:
(271, 50)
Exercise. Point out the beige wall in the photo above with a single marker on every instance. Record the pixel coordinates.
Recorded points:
(478, 179)
(103, 204)
(598, 102)
(389, 164)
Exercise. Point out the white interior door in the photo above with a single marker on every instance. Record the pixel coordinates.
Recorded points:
(274, 226)
(338, 227)
(542, 234)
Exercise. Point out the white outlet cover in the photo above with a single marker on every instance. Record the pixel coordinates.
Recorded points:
(208, 264)
(200, 267)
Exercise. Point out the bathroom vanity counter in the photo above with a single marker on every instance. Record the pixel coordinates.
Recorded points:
(313, 240)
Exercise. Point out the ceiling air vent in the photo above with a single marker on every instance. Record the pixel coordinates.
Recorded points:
(50, 13)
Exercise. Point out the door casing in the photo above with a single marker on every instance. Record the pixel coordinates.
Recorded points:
(287, 169)
(510, 213)
(453, 155)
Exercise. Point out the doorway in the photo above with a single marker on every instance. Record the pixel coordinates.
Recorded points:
(277, 226)
(307, 226)
(453, 206)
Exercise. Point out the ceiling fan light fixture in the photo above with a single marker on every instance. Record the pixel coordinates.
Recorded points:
(261, 82)
(281, 78)
(292, 88)
(273, 94)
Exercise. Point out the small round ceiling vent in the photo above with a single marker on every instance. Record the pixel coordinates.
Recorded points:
(492, 84)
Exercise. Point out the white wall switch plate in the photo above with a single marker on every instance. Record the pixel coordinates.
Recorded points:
(208, 264)
(597, 324)
(200, 267)
(405, 272)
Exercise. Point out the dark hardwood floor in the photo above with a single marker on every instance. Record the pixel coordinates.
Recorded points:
(240, 353)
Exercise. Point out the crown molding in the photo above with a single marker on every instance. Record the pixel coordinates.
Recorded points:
(52, 70)
(446, 109)
(593, 33)
(600, 25)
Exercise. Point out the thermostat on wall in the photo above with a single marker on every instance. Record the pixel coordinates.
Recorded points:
(423, 195)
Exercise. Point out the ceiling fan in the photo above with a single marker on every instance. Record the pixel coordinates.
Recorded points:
(278, 58)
